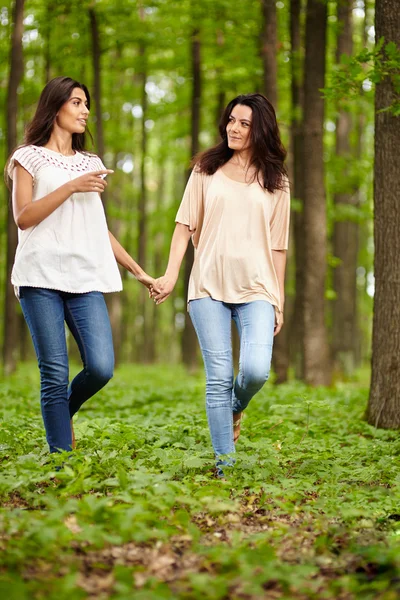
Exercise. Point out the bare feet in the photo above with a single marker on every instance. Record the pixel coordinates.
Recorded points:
(237, 420)
(73, 436)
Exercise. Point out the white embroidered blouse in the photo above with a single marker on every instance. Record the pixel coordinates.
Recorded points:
(69, 250)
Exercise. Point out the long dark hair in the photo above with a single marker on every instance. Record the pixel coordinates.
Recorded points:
(267, 151)
(56, 93)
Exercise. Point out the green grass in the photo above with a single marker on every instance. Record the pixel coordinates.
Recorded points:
(311, 509)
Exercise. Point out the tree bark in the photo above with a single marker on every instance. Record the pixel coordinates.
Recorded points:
(142, 210)
(280, 357)
(96, 60)
(268, 49)
(10, 342)
(114, 301)
(346, 233)
(47, 31)
(384, 400)
(297, 317)
(221, 87)
(189, 340)
(317, 363)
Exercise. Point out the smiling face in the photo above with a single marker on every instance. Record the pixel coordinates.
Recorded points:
(73, 114)
(239, 127)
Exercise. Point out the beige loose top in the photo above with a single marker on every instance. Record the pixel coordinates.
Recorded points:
(235, 228)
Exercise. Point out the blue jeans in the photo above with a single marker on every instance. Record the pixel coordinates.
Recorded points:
(255, 322)
(86, 316)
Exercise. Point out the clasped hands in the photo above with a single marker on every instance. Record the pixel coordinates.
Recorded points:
(162, 288)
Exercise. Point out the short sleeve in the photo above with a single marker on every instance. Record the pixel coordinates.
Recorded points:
(97, 164)
(191, 209)
(25, 157)
(280, 219)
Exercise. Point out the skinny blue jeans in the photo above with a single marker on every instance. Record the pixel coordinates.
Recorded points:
(86, 315)
(255, 322)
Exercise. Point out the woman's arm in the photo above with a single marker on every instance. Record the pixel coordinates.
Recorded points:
(279, 260)
(179, 244)
(125, 260)
(28, 213)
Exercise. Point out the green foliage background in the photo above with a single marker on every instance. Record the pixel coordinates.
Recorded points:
(57, 42)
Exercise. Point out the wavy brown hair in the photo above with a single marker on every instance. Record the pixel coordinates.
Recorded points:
(267, 151)
(56, 93)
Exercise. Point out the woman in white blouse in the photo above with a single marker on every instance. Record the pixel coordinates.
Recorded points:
(66, 258)
(236, 208)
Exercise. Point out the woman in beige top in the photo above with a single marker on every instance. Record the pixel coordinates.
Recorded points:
(236, 209)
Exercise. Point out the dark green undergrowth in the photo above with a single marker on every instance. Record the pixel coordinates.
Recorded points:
(311, 509)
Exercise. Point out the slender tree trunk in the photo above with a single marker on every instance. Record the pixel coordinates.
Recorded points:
(158, 265)
(189, 340)
(47, 39)
(142, 208)
(297, 317)
(142, 238)
(268, 49)
(114, 302)
(280, 358)
(317, 363)
(346, 233)
(10, 342)
(221, 87)
(96, 60)
(384, 401)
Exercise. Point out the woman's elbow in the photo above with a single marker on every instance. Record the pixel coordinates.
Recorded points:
(21, 222)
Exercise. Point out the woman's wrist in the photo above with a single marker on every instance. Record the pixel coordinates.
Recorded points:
(172, 274)
(70, 187)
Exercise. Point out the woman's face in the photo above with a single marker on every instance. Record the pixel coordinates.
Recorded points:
(73, 115)
(238, 127)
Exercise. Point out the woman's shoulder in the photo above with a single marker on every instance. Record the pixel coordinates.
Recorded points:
(24, 150)
(28, 157)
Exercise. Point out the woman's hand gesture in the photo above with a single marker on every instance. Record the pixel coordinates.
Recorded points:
(90, 182)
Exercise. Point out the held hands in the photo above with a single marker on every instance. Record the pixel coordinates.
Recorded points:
(148, 282)
(90, 182)
(162, 288)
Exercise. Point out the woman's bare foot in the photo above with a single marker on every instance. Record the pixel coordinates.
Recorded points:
(237, 420)
(73, 436)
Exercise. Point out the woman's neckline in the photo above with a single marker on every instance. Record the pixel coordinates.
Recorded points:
(235, 180)
(59, 154)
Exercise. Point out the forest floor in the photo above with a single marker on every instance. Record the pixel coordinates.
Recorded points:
(310, 511)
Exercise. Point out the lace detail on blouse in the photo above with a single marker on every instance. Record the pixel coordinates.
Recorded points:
(34, 158)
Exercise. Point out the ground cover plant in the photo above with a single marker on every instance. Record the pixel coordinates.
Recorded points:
(311, 509)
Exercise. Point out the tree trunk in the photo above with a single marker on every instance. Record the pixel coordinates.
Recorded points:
(158, 265)
(10, 342)
(268, 49)
(221, 87)
(114, 301)
(96, 58)
(146, 306)
(280, 358)
(346, 233)
(297, 317)
(189, 340)
(384, 400)
(317, 363)
(47, 31)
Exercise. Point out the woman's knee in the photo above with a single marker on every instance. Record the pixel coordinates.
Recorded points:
(101, 371)
(256, 374)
